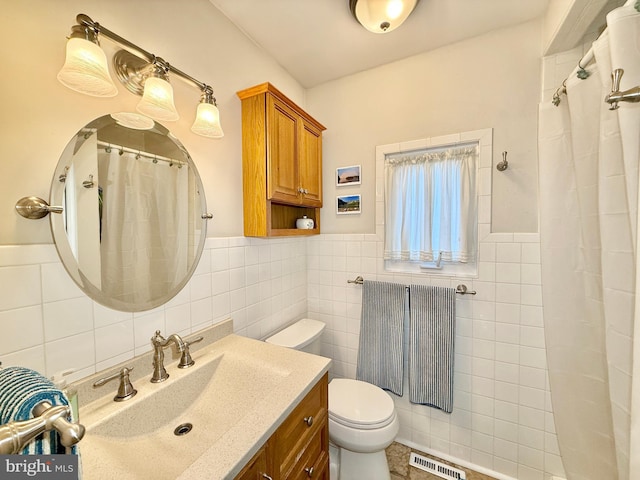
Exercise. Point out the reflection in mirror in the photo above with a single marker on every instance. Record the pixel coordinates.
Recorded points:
(131, 232)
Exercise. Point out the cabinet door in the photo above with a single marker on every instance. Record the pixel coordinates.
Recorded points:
(256, 468)
(282, 167)
(310, 164)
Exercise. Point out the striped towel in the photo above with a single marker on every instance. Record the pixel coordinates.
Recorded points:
(381, 328)
(21, 389)
(431, 339)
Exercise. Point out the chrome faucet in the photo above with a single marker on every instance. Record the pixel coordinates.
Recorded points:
(15, 435)
(630, 95)
(159, 342)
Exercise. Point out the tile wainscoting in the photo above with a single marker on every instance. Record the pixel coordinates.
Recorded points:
(48, 324)
(502, 422)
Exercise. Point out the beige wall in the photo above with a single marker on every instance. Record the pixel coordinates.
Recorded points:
(489, 81)
(39, 115)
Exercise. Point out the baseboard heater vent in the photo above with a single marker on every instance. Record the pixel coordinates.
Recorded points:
(440, 469)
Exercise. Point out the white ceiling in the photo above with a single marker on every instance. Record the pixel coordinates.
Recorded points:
(318, 40)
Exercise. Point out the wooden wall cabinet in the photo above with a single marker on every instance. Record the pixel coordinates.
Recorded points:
(281, 164)
(299, 449)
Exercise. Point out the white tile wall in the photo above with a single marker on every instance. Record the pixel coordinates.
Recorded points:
(502, 420)
(48, 324)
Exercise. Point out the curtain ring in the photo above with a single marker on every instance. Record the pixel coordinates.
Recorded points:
(582, 74)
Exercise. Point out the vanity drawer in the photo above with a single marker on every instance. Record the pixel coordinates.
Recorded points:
(313, 462)
(304, 433)
(304, 421)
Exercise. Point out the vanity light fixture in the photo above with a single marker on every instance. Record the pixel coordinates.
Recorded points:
(85, 68)
(381, 16)
(157, 99)
(208, 116)
(85, 71)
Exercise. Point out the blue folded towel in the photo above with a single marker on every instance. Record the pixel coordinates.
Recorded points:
(380, 351)
(431, 345)
(21, 389)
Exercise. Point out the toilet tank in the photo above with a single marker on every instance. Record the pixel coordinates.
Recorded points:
(303, 335)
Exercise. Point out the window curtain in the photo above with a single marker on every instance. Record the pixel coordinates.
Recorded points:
(430, 205)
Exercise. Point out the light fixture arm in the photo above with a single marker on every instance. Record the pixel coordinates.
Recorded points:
(86, 21)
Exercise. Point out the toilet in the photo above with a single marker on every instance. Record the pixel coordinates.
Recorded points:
(362, 417)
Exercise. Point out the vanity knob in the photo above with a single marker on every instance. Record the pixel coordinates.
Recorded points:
(206, 216)
(309, 471)
(266, 477)
(308, 420)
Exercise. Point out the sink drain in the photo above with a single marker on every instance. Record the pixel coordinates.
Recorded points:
(183, 429)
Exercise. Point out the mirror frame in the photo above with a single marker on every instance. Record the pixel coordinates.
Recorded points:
(61, 240)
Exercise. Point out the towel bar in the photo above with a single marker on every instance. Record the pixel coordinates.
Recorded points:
(460, 289)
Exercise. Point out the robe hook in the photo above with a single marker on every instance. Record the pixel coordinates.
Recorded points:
(503, 165)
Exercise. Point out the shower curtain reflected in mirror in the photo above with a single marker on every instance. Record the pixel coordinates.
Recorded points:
(135, 245)
(588, 212)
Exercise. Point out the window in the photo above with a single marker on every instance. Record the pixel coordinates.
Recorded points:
(431, 205)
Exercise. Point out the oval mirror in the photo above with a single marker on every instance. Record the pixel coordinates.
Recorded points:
(131, 230)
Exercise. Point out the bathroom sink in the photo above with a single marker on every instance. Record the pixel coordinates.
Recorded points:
(166, 427)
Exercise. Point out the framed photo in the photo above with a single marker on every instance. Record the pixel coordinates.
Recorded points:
(348, 175)
(348, 204)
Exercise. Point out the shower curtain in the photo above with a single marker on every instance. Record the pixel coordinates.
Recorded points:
(144, 243)
(588, 210)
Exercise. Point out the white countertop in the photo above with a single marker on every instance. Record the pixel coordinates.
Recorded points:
(238, 437)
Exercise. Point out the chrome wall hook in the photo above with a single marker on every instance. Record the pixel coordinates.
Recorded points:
(503, 165)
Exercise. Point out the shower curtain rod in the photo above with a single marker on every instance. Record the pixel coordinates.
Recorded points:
(150, 156)
(586, 59)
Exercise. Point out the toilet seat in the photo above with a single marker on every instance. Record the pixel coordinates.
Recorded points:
(359, 405)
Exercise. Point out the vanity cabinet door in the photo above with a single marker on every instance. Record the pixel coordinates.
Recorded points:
(257, 468)
(301, 443)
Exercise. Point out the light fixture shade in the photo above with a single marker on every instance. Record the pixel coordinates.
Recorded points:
(157, 100)
(207, 121)
(381, 16)
(85, 69)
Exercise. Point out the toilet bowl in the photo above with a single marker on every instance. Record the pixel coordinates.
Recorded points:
(362, 417)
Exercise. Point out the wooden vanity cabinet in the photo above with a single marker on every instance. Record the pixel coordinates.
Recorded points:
(281, 163)
(299, 449)
(256, 468)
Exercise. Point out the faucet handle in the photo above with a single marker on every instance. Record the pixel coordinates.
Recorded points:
(185, 360)
(158, 339)
(125, 390)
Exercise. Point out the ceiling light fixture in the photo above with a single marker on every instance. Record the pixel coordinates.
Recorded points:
(85, 71)
(381, 16)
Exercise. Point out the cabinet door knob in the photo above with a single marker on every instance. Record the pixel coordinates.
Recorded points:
(309, 471)
(308, 420)
(266, 477)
